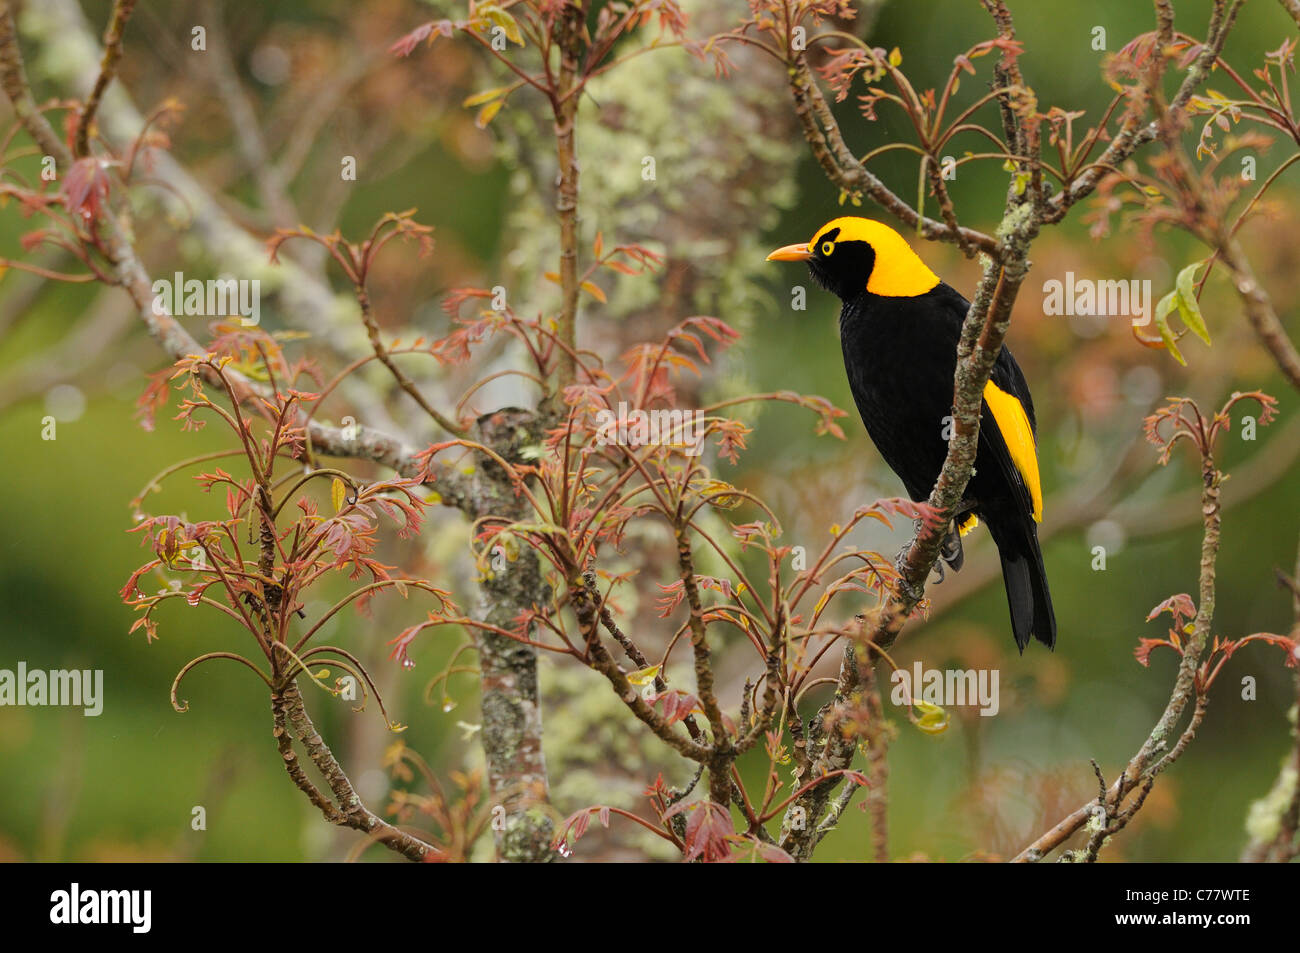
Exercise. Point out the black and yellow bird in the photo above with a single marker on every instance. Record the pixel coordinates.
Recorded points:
(899, 328)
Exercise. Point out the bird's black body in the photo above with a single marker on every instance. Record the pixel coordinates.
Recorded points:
(899, 329)
(901, 355)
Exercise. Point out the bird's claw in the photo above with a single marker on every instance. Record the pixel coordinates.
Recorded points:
(914, 593)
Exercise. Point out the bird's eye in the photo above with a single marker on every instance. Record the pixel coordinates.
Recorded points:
(828, 248)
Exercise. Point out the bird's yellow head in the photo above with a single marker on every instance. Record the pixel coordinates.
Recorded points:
(850, 254)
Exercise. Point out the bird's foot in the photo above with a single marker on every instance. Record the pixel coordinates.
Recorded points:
(900, 560)
(905, 588)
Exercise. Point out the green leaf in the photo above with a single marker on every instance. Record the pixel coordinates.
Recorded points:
(537, 526)
(338, 493)
(933, 719)
(504, 20)
(644, 676)
(1164, 307)
(488, 113)
(722, 499)
(478, 99)
(1188, 307)
(256, 371)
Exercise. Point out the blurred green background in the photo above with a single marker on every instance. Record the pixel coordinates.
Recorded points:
(123, 785)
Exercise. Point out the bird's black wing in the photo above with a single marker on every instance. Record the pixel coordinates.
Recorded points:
(1008, 376)
(999, 432)
(1006, 492)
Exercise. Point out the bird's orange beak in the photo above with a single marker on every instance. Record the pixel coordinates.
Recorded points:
(797, 252)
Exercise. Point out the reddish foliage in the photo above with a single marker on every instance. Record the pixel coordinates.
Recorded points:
(709, 830)
(85, 188)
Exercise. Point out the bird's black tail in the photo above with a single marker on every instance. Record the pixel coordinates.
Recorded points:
(1025, 579)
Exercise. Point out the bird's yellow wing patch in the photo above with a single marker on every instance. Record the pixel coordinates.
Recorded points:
(1013, 423)
(968, 524)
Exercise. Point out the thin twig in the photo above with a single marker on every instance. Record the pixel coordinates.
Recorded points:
(113, 38)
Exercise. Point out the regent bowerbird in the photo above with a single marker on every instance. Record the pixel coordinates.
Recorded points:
(899, 329)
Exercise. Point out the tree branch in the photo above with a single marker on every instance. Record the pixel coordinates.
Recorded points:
(1144, 765)
(1260, 312)
(837, 160)
(113, 38)
(290, 713)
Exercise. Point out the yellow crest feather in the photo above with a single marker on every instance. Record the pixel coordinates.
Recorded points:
(898, 271)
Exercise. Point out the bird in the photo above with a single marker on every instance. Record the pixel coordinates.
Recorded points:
(899, 330)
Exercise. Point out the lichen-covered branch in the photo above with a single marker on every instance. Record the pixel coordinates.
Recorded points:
(803, 819)
(722, 754)
(347, 811)
(570, 24)
(511, 705)
(69, 54)
(1107, 821)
